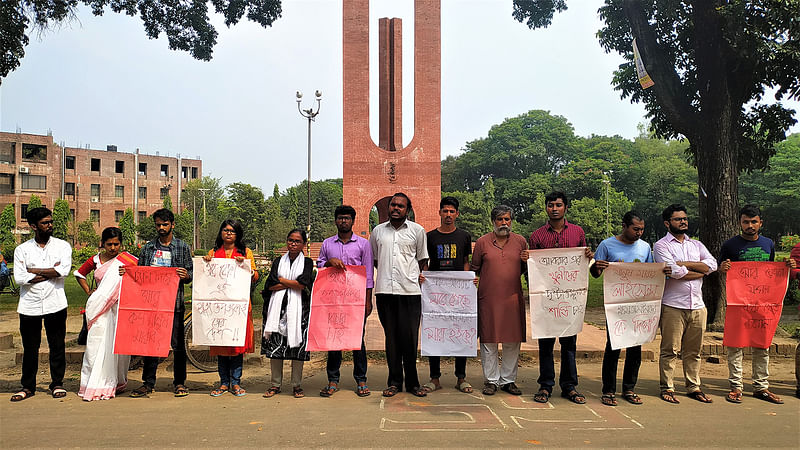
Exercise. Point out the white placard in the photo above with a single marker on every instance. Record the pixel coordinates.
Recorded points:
(558, 286)
(632, 297)
(220, 300)
(449, 314)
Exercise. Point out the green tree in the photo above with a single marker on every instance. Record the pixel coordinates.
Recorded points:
(209, 215)
(128, 228)
(167, 202)
(184, 226)
(87, 235)
(61, 219)
(711, 63)
(34, 202)
(146, 229)
(8, 223)
(186, 24)
(245, 203)
(326, 195)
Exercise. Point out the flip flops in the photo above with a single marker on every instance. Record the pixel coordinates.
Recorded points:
(328, 390)
(22, 395)
(219, 391)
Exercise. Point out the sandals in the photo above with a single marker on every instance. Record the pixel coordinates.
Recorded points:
(464, 387)
(219, 391)
(419, 391)
(632, 398)
(669, 397)
(489, 389)
(22, 395)
(574, 396)
(271, 392)
(431, 386)
(608, 400)
(768, 396)
(238, 391)
(181, 390)
(734, 396)
(141, 391)
(511, 388)
(362, 390)
(543, 396)
(700, 396)
(328, 390)
(58, 392)
(391, 391)
(298, 392)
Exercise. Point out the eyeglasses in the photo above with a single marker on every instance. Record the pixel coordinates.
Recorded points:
(680, 219)
(229, 231)
(294, 241)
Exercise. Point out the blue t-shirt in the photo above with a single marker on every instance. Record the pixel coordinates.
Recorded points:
(613, 250)
(738, 248)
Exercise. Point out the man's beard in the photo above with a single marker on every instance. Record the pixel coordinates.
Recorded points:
(502, 230)
(675, 230)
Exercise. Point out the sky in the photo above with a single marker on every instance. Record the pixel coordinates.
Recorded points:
(99, 80)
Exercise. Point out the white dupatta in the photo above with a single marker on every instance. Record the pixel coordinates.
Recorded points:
(294, 307)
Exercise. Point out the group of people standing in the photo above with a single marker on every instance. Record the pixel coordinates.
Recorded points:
(395, 256)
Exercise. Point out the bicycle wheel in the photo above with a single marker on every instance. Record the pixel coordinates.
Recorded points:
(198, 355)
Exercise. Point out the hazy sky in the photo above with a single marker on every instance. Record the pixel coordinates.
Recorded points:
(100, 81)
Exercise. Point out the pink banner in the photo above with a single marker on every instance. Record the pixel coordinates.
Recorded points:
(146, 311)
(337, 309)
(755, 292)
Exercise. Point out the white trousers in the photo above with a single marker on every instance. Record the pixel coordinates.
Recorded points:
(492, 370)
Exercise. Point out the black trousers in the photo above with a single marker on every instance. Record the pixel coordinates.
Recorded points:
(630, 372)
(30, 329)
(436, 367)
(568, 378)
(178, 356)
(400, 316)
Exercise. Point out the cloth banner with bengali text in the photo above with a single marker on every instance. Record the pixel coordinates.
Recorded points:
(220, 301)
(449, 314)
(146, 310)
(632, 297)
(337, 309)
(755, 292)
(558, 286)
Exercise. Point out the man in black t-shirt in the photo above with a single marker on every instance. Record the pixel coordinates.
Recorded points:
(448, 249)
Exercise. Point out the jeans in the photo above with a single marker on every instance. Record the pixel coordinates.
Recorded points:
(359, 363)
(30, 329)
(230, 370)
(400, 316)
(178, 355)
(568, 379)
(436, 369)
(630, 372)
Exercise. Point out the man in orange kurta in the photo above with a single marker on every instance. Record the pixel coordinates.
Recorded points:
(499, 259)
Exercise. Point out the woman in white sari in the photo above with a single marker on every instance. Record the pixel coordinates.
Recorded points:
(103, 373)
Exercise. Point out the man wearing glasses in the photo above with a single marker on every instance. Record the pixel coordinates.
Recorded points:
(683, 313)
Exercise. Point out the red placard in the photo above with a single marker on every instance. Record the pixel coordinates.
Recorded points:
(755, 292)
(146, 310)
(337, 309)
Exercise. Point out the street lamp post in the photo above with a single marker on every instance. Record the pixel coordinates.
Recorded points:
(607, 182)
(309, 114)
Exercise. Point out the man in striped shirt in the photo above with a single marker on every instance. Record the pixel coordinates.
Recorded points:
(558, 233)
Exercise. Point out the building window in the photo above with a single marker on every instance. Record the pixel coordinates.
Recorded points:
(194, 172)
(142, 168)
(142, 216)
(95, 215)
(95, 192)
(164, 192)
(184, 172)
(95, 165)
(23, 211)
(72, 214)
(69, 190)
(69, 162)
(34, 182)
(119, 191)
(164, 170)
(8, 152)
(34, 153)
(118, 215)
(6, 183)
(142, 192)
(119, 167)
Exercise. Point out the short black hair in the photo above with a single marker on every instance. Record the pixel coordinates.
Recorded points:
(36, 214)
(555, 195)
(344, 210)
(629, 217)
(164, 214)
(400, 194)
(301, 231)
(671, 209)
(110, 233)
(449, 200)
(501, 210)
(750, 211)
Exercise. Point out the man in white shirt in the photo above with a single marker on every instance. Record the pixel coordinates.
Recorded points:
(40, 265)
(399, 247)
(683, 313)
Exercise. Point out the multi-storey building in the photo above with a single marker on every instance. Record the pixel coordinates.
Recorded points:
(98, 184)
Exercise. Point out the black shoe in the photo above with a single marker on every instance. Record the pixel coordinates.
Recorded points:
(511, 388)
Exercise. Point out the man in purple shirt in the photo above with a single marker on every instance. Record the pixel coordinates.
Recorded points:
(683, 313)
(340, 250)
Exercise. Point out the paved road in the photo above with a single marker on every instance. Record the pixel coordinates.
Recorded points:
(445, 418)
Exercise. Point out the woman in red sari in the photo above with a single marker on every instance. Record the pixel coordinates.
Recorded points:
(230, 359)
